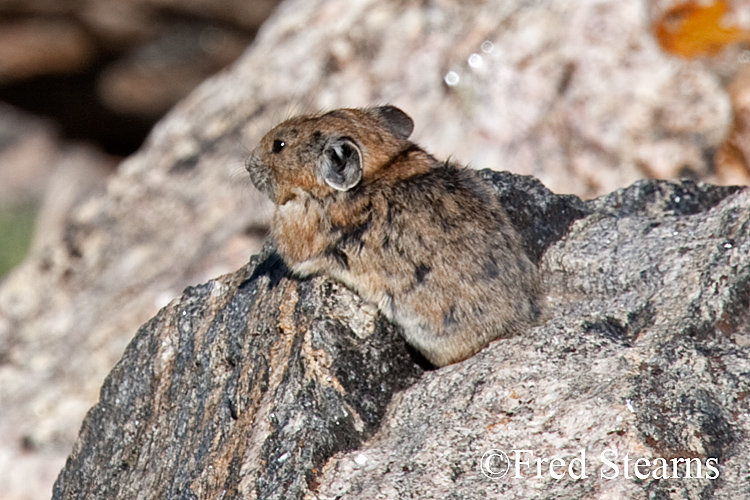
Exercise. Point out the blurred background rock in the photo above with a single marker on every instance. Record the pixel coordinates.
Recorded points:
(586, 96)
(83, 81)
(89, 78)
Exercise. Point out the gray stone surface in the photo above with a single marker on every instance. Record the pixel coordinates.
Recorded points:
(256, 385)
(247, 382)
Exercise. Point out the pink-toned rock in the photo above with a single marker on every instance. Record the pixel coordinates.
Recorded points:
(28, 147)
(155, 76)
(249, 15)
(38, 47)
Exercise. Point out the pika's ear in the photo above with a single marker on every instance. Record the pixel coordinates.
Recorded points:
(398, 122)
(341, 164)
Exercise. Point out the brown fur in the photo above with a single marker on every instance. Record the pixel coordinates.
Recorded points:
(426, 241)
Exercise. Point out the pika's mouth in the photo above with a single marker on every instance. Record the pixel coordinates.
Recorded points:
(259, 174)
(252, 163)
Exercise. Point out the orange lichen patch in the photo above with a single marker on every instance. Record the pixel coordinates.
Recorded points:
(696, 29)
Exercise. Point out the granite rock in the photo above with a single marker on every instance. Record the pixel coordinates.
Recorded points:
(258, 385)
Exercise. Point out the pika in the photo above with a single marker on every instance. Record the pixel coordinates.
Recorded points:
(424, 240)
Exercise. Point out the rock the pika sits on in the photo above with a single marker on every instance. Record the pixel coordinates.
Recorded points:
(426, 241)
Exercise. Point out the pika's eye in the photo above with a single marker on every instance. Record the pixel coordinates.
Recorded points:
(278, 145)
